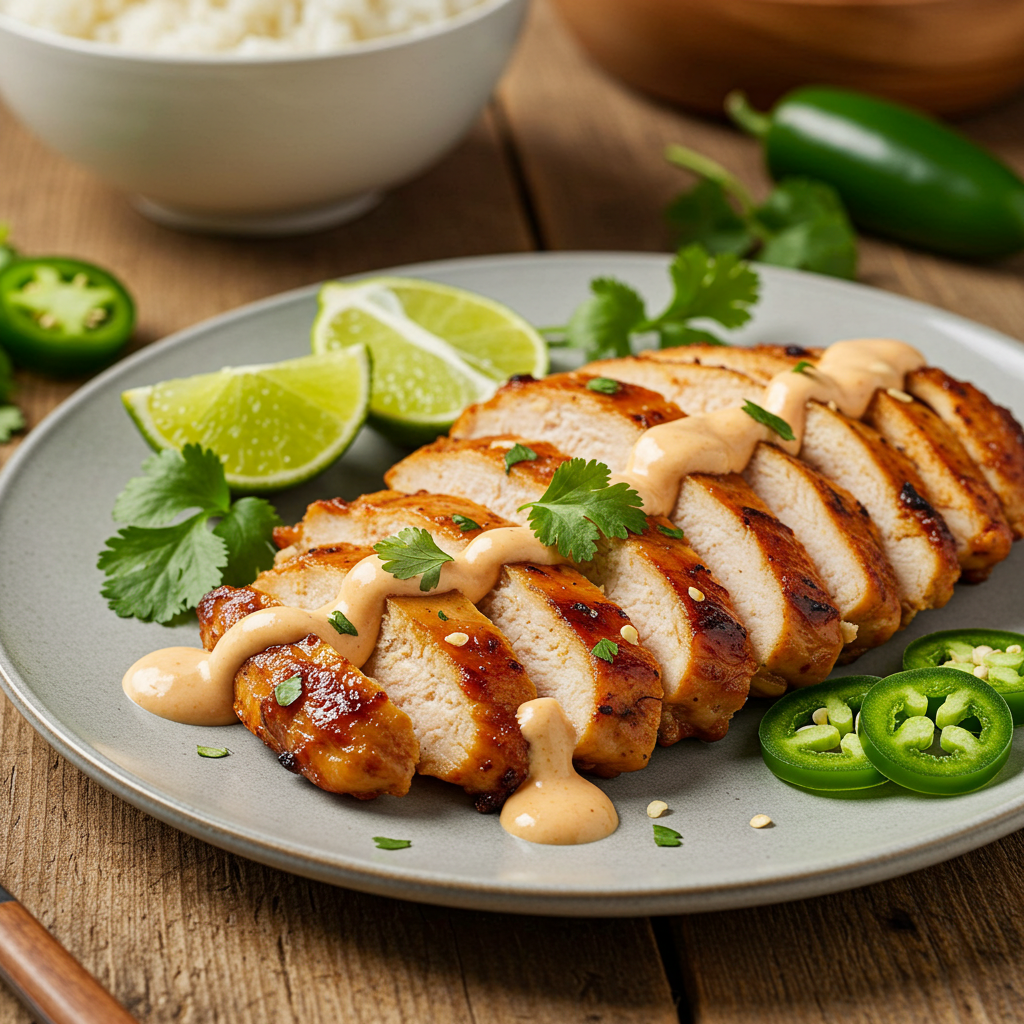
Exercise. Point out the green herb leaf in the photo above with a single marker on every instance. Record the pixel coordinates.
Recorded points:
(579, 506)
(383, 843)
(153, 573)
(518, 453)
(174, 482)
(11, 420)
(769, 420)
(289, 691)
(720, 288)
(248, 531)
(604, 385)
(675, 335)
(441, 615)
(671, 531)
(342, 624)
(212, 751)
(413, 553)
(464, 523)
(803, 366)
(602, 325)
(705, 216)
(665, 836)
(605, 650)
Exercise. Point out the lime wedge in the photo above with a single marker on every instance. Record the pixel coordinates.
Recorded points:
(436, 349)
(273, 426)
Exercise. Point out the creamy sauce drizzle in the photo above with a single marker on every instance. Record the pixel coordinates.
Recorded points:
(190, 686)
(554, 805)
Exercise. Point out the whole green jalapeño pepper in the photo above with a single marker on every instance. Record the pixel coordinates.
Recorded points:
(897, 724)
(900, 173)
(62, 316)
(995, 654)
(808, 738)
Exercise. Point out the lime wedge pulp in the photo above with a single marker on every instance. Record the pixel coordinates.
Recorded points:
(436, 349)
(273, 426)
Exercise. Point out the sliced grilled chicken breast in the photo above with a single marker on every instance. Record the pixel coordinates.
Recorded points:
(563, 411)
(461, 696)
(705, 655)
(761, 362)
(954, 485)
(838, 534)
(553, 617)
(343, 733)
(990, 434)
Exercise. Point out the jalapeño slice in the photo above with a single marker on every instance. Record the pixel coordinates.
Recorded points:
(808, 736)
(897, 728)
(62, 316)
(1003, 662)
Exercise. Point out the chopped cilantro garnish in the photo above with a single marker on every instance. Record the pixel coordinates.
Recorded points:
(579, 506)
(441, 615)
(383, 843)
(413, 553)
(518, 453)
(604, 385)
(212, 751)
(605, 650)
(289, 691)
(769, 420)
(665, 836)
(803, 366)
(342, 624)
(464, 523)
(671, 531)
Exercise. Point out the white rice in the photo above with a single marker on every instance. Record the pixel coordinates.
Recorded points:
(243, 27)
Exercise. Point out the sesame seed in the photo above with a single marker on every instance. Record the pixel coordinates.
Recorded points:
(630, 635)
(503, 444)
(900, 396)
(760, 821)
(457, 639)
(820, 717)
(695, 594)
(656, 808)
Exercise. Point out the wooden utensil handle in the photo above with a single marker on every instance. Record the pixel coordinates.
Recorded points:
(55, 986)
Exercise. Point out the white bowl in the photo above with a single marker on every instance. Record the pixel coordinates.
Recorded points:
(259, 145)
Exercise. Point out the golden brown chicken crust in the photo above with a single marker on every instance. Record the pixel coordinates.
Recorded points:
(990, 434)
(342, 733)
(955, 486)
(761, 362)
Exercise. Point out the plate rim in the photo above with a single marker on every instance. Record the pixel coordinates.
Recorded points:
(416, 884)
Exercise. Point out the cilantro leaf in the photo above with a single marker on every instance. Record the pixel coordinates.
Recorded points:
(174, 482)
(11, 420)
(441, 615)
(803, 366)
(705, 216)
(247, 530)
(665, 836)
(341, 622)
(579, 506)
(516, 454)
(464, 523)
(154, 573)
(212, 751)
(602, 324)
(605, 650)
(769, 420)
(674, 335)
(289, 691)
(413, 553)
(604, 385)
(720, 288)
(671, 531)
(383, 843)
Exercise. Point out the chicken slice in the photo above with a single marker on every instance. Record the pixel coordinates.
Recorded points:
(795, 629)
(563, 411)
(990, 434)
(761, 362)
(343, 733)
(842, 541)
(553, 617)
(954, 485)
(704, 653)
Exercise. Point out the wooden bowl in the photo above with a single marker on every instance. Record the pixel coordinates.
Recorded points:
(947, 56)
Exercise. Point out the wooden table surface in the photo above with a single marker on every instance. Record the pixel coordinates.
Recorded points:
(182, 932)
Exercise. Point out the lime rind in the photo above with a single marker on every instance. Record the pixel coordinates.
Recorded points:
(250, 416)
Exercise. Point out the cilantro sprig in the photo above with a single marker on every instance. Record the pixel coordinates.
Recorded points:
(158, 565)
(706, 288)
(413, 553)
(802, 224)
(580, 505)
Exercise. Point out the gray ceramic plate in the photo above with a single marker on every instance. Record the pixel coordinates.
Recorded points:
(55, 502)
